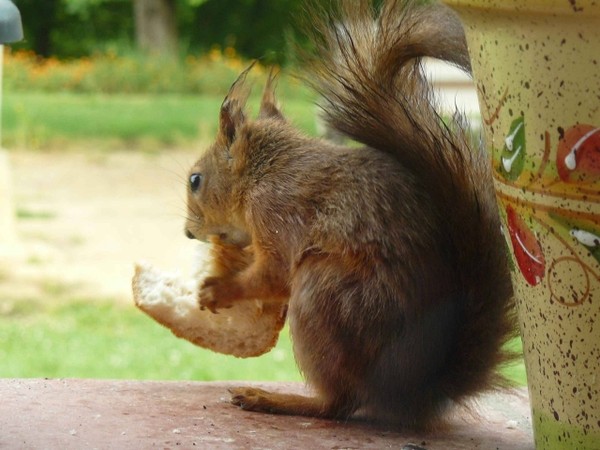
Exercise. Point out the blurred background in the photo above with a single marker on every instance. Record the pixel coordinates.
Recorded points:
(105, 105)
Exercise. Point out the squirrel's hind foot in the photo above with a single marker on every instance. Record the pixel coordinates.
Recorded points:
(259, 400)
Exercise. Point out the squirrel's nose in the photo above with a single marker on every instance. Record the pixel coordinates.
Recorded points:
(189, 234)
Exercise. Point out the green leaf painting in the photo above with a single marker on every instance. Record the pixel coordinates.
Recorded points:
(512, 158)
(584, 232)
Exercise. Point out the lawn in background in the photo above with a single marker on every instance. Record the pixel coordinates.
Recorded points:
(131, 101)
(94, 339)
(41, 120)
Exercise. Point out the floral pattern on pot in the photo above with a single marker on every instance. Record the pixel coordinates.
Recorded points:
(573, 173)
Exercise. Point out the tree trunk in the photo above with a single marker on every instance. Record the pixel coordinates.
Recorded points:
(41, 26)
(155, 26)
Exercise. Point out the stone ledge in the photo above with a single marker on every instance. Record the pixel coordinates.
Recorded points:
(75, 414)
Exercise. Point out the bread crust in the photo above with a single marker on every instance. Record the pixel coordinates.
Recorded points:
(247, 329)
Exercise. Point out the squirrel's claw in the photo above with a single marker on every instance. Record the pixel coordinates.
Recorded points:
(215, 294)
(249, 399)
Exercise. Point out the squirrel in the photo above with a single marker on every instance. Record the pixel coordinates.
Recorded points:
(389, 254)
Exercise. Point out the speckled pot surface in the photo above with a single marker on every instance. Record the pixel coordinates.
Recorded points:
(537, 69)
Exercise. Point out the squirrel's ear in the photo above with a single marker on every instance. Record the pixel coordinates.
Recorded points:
(268, 104)
(232, 116)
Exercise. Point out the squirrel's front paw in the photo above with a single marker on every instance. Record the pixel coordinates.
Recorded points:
(216, 293)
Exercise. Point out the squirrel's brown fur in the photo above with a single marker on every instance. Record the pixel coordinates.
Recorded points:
(390, 254)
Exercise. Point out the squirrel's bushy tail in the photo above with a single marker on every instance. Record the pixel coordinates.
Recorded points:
(367, 68)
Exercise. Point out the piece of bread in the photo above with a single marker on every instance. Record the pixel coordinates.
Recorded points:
(249, 328)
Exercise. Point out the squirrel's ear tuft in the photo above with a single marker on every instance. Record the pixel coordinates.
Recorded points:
(268, 104)
(232, 114)
(231, 118)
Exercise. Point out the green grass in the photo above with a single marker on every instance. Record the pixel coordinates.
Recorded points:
(106, 340)
(27, 214)
(515, 371)
(42, 120)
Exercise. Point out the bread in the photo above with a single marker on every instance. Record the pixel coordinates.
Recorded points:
(249, 328)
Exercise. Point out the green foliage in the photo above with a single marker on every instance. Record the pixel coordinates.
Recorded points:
(75, 28)
(130, 72)
(81, 7)
(255, 28)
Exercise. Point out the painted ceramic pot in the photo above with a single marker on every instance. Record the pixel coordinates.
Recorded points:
(536, 65)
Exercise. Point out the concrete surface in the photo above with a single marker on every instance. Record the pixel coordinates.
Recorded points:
(87, 414)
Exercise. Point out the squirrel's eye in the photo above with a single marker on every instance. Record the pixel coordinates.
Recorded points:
(195, 181)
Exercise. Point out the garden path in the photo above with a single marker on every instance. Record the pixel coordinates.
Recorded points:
(84, 218)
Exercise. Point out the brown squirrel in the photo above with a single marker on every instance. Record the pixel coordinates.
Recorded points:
(390, 255)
